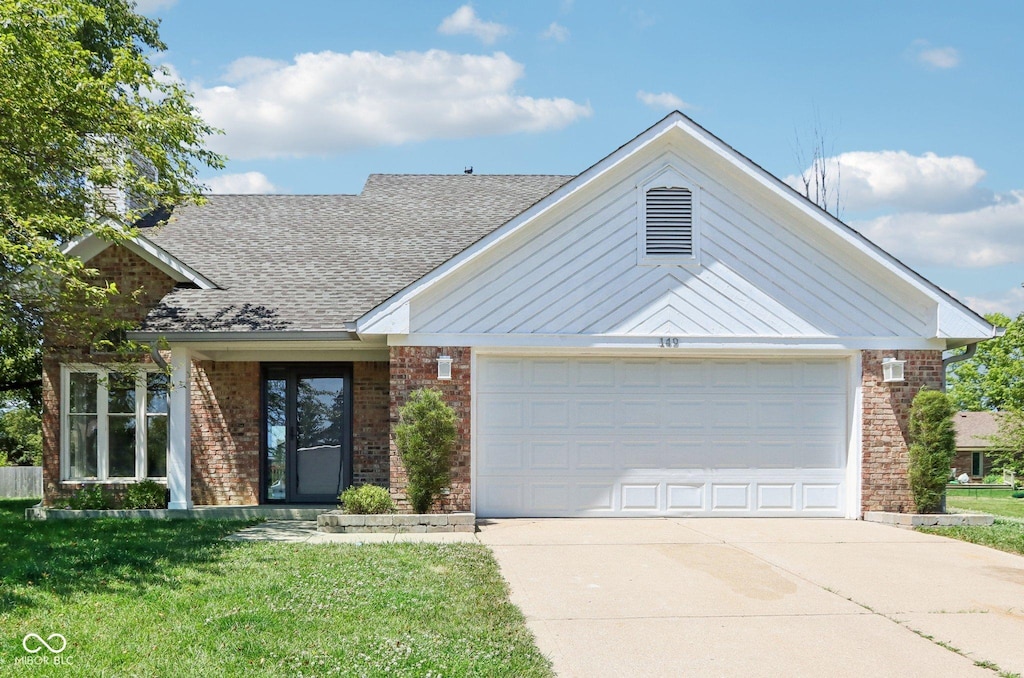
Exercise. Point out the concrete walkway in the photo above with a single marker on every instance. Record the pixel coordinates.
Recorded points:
(760, 597)
(304, 531)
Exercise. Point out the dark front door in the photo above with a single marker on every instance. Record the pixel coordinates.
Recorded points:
(307, 439)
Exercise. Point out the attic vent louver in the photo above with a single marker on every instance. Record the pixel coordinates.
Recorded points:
(669, 222)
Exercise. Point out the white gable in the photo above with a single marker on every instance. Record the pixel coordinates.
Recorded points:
(767, 266)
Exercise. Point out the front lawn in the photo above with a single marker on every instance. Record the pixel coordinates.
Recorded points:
(996, 502)
(1005, 535)
(155, 598)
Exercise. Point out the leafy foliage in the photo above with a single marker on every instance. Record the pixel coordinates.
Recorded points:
(425, 436)
(367, 499)
(1007, 452)
(994, 378)
(21, 435)
(145, 494)
(90, 498)
(932, 448)
(84, 116)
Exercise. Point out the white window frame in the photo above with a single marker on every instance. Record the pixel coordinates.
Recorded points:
(667, 177)
(142, 370)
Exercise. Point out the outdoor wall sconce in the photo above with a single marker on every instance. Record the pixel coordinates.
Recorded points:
(892, 370)
(444, 367)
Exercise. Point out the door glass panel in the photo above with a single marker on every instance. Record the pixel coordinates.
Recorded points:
(320, 425)
(277, 453)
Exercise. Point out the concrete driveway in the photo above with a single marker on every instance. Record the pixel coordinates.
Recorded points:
(760, 597)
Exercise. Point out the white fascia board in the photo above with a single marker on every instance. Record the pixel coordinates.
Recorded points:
(980, 328)
(394, 320)
(576, 342)
(89, 245)
(387, 307)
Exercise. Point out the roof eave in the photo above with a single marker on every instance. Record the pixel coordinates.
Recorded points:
(347, 334)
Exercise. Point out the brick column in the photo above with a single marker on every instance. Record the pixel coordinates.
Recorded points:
(414, 367)
(886, 412)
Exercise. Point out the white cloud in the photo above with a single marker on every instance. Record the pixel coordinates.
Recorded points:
(935, 57)
(149, 6)
(987, 236)
(1009, 303)
(464, 21)
(245, 182)
(556, 32)
(664, 100)
(898, 180)
(326, 102)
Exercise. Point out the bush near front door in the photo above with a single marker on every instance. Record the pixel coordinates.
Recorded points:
(425, 437)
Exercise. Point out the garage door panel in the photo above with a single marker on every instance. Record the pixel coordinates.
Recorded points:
(686, 414)
(639, 374)
(548, 372)
(776, 497)
(597, 436)
(502, 456)
(733, 413)
(549, 455)
(501, 374)
(730, 497)
(595, 414)
(822, 496)
(595, 455)
(638, 413)
(640, 496)
(594, 374)
(500, 412)
(685, 497)
(595, 496)
(548, 413)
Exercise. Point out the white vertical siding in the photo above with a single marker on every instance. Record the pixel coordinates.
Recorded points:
(762, 274)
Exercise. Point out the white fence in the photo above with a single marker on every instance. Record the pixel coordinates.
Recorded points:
(21, 481)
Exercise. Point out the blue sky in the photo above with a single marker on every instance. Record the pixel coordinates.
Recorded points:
(920, 102)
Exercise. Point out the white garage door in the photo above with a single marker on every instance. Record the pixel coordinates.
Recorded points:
(604, 436)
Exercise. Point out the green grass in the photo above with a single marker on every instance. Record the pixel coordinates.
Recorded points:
(1005, 535)
(152, 598)
(996, 502)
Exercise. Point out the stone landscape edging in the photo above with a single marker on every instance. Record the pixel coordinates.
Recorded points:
(337, 521)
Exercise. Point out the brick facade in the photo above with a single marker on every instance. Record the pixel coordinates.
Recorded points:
(414, 367)
(225, 432)
(886, 412)
(141, 287)
(371, 401)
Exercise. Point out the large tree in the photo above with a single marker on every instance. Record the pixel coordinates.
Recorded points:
(994, 378)
(85, 115)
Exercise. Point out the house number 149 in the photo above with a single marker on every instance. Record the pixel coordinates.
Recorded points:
(669, 342)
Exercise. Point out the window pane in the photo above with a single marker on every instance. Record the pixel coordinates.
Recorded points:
(82, 446)
(156, 393)
(121, 443)
(156, 446)
(121, 393)
(83, 392)
(275, 393)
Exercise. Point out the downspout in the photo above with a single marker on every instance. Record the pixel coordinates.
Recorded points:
(946, 362)
(154, 353)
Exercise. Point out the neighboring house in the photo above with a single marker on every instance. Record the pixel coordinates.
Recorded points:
(674, 331)
(974, 431)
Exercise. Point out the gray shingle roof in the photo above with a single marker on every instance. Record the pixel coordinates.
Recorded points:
(974, 429)
(317, 262)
